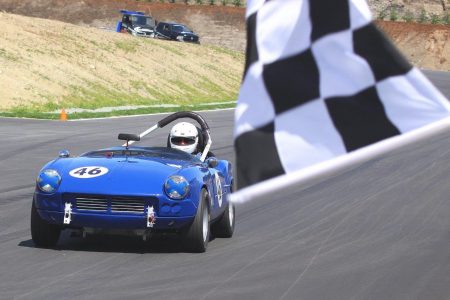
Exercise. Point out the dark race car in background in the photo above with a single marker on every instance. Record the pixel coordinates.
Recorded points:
(136, 190)
(175, 31)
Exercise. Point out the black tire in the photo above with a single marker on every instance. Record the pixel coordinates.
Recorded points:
(43, 234)
(194, 238)
(224, 228)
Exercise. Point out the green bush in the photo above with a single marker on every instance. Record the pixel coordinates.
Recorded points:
(446, 19)
(408, 16)
(423, 18)
(237, 2)
(224, 2)
(382, 14)
(212, 2)
(435, 19)
(393, 16)
(199, 1)
(186, 1)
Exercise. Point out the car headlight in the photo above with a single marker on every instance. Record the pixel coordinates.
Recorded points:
(176, 187)
(48, 181)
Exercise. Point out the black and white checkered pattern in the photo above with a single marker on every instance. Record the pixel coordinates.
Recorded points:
(320, 81)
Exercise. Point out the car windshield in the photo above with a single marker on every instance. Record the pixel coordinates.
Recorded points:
(148, 152)
(141, 20)
(180, 28)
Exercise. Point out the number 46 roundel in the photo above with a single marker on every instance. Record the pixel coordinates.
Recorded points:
(88, 172)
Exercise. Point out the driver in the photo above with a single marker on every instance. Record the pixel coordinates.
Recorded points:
(184, 137)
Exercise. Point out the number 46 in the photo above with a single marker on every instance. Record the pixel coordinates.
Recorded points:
(89, 171)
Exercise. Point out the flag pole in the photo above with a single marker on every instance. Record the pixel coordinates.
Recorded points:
(338, 164)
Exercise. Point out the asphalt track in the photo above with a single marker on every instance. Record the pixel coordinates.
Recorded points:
(378, 231)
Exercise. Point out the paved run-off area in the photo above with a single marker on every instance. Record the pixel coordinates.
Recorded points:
(378, 231)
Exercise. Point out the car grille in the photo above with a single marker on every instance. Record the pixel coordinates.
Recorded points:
(91, 203)
(130, 205)
(112, 204)
(190, 38)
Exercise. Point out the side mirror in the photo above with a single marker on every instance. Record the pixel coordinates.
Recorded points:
(212, 162)
(64, 154)
(129, 137)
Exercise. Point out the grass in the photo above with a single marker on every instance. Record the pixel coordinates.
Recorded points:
(232, 53)
(25, 112)
(435, 19)
(446, 19)
(96, 69)
(423, 18)
(92, 96)
(95, 96)
(172, 49)
(8, 55)
(393, 12)
(408, 16)
(127, 46)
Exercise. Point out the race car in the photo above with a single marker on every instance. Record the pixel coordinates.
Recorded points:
(136, 190)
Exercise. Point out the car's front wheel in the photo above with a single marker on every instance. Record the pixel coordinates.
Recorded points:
(197, 236)
(43, 234)
(224, 228)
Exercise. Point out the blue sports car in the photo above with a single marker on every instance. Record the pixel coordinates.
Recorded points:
(136, 190)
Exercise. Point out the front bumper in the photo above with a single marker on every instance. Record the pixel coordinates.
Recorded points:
(107, 221)
(191, 39)
(115, 212)
(144, 34)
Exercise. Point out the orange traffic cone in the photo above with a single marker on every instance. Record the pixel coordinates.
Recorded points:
(63, 115)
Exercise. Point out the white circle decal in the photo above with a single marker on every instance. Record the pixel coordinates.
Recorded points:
(219, 189)
(88, 172)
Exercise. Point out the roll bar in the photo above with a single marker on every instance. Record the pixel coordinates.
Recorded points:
(184, 114)
(178, 115)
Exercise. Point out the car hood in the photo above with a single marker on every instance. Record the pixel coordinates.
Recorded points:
(143, 27)
(123, 176)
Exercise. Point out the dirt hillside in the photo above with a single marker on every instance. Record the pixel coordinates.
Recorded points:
(217, 25)
(426, 45)
(60, 64)
(415, 8)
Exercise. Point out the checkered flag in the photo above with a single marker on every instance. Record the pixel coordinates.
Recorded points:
(322, 81)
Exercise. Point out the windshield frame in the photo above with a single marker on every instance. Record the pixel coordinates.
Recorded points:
(163, 153)
(184, 28)
(137, 20)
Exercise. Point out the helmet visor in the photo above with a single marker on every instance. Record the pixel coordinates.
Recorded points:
(182, 140)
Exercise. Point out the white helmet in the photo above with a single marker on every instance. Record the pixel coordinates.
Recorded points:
(184, 137)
